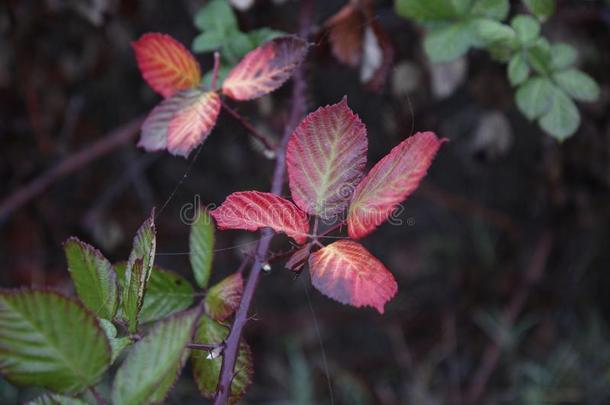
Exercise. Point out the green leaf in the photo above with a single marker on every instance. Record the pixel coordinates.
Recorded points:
(534, 97)
(526, 27)
(495, 9)
(138, 271)
(216, 16)
(562, 56)
(431, 10)
(577, 84)
(518, 70)
(201, 244)
(154, 363)
(541, 8)
(117, 344)
(208, 41)
(448, 43)
(491, 32)
(223, 298)
(93, 277)
(262, 35)
(207, 370)
(236, 46)
(50, 341)
(563, 119)
(54, 399)
(166, 293)
(539, 56)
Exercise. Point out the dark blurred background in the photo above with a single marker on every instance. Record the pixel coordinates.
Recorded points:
(502, 261)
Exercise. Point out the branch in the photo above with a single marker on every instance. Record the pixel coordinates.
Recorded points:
(491, 355)
(248, 126)
(71, 164)
(241, 316)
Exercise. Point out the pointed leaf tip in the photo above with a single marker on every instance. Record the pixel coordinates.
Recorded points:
(251, 210)
(325, 158)
(265, 69)
(346, 272)
(165, 64)
(391, 181)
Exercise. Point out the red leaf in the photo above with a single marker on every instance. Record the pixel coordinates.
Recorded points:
(223, 298)
(326, 156)
(346, 29)
(265, 68)
(390, 181)
(180, 122)
(251, 210)
(166, 65)
(346, 272)
(191, 125)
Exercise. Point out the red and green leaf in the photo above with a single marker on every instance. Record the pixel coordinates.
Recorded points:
(181, 123)
(166, 65)
(346, 272)
(251, 210)
(223, 298)
(390, 181)
(265, 68)
(325, 157)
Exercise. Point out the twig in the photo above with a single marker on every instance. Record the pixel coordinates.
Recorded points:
(75, 162)
(491, 355)
(215, 71)
(241, 316)
(248, 126)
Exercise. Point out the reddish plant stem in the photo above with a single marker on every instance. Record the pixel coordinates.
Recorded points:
(215, 71)
(71, 164)
(491, 355)
(248, 126)
(241, 316)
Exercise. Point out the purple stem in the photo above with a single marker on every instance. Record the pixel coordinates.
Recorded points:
(279, 174)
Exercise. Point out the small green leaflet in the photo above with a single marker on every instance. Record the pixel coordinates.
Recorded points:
(518, 69)
(563, 118)
(541, 8)
(534, 97)
(201, 244)
(526, 27)
(50, 341)
(220, 32)
(155, 362)
(93, 277)
(577, 84)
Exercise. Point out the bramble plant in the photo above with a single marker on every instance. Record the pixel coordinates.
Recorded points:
(545, 75)
(144, 321)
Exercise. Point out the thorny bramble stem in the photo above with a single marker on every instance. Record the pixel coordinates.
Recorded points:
(227, 372)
